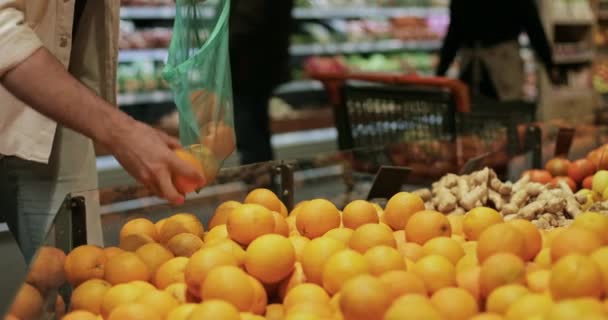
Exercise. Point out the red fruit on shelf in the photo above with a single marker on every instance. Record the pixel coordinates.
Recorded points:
(580, 169)
(588, 183)
(558, 167)
(599, 157)
(570, 182)
(540, 176)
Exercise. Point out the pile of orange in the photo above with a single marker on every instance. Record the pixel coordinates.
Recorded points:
(259, 261)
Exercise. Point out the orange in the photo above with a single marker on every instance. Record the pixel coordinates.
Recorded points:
(305, 292)
(400, 239)
(280, 225)
(575, 276)
(308, 310)
(298, 243)
(161, 302)
(412, 307)
(159, 224)
(229, 246)
(370, 235)
(400, 282)
(600, 257)
(341, 234)
(260, 297)
(171, 272)
(499, 270)
(46, 269)
(574, 240)
(201, 263)
(291, 224)
(436, 271)
(498, 238)
(358, 213)
(216, 233)
(444, 246)
(84, 263)
(315, 255)
(251, 316)
(543, 258)
(134, 312)
(133, 241)
(270, 258)
(503, 297)
(215, 309)
(341, 267)
(468, 279)
(182, 312)
(538, 281)
(412, 251)
(231, 284)
(274, 311)
(477, 220)
(144, 285)
(400, 208)
(112, 251)
(575, 309)
(181, 223)
(468, 261)
(487, 316)
(89, 295)
(316, 217)
(595, 222)
(296, 278)
(426, 225)
(185, 184)
(75, 315)
(381, 259)
(27, 304)
(549, 236)
(265, 198)
(456, 222)
(364, 297)
(455, 303)
(122, 294)
(153, 255)
(470, 247)
(126, 267)
(533, 241)
(220, 216)
(248, 222)
(178, 292)
(139, 226)
(530, 306)
(184, 244)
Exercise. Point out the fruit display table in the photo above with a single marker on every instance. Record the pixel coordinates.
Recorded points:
(435, 202)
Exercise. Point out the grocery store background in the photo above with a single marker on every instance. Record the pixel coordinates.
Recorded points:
(364, 35)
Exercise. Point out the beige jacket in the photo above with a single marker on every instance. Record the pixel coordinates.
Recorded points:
(91, 55)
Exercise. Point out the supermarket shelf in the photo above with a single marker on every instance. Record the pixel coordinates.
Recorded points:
(363, 47)
(356, 12)
(299, 86)
(165, 12)
(136, 98)
(142, 54)
(582, 57)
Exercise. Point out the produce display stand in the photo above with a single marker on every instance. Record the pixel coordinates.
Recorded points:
(320, 176)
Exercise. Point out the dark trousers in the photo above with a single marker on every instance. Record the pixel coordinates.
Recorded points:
(252, 126)
(485, 87)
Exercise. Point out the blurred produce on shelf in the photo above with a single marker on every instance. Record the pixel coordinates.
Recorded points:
(147, 2)
(380, 3)
(140, 76)
(131, 38)
(422, 63)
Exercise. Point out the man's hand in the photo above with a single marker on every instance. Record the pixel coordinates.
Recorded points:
(44, 84)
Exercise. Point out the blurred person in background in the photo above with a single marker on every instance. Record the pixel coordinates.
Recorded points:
(58, 87)
(485, 36)
(259, 57)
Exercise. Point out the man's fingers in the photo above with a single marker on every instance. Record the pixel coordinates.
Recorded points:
(167, 189)
(171, 142)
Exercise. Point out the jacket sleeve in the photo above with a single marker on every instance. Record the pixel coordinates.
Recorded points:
(534, 28)
(452, 41)
(17, 40)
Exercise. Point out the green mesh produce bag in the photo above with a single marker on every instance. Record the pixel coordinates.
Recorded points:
(198, 72)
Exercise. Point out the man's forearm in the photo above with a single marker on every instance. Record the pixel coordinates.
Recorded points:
(42, 82)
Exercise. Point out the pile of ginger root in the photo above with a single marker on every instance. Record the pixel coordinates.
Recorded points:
(546, 206)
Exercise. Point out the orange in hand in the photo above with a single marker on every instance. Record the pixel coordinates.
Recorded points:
(184, 184)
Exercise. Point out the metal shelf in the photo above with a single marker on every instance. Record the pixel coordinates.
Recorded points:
(358, 12)
(364, 47)
(137, 98)
(142, 54)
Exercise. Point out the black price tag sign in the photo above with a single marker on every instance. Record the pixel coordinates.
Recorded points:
(475, 164)
(388, 182)
(565, 137)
